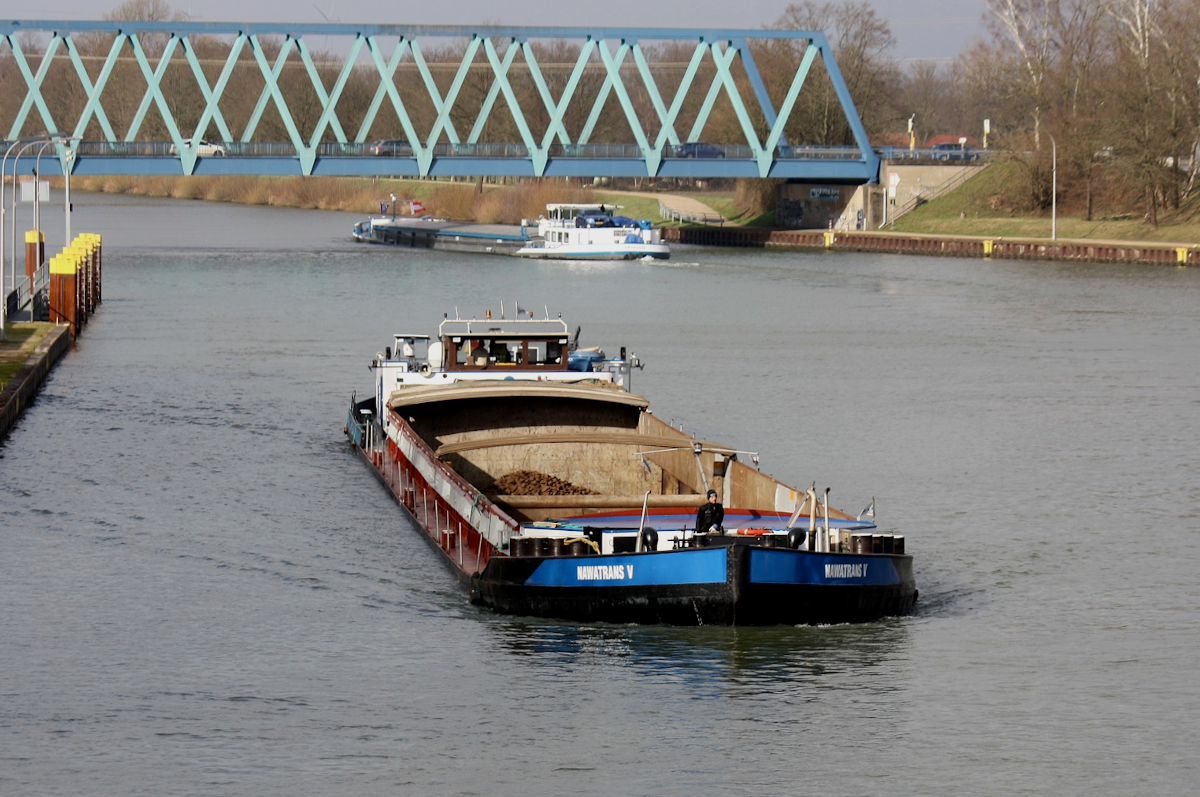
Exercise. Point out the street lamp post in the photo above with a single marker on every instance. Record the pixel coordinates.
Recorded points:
(37, 194)
(20, 145)
(24, 144)
(1053, 188)
(3, 293)
(12, 228)
(70, 163)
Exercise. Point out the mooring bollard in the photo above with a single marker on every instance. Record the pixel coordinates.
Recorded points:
(63, 291)
(35, 252)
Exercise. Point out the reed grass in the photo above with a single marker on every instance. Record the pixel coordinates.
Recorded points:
(754, 197)
(460, 201)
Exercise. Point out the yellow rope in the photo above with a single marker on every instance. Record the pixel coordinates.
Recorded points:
(595, 547)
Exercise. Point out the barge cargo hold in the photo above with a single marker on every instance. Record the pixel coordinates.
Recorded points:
(553, 491)
(423, 232)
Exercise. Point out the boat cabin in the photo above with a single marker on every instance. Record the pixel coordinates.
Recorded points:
(580, 214)
(490, 349)
(530, 345)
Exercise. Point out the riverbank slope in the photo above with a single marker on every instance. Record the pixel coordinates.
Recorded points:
(991, 205)
(987, 206)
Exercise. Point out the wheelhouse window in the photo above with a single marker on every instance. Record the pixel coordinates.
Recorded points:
(479, 353)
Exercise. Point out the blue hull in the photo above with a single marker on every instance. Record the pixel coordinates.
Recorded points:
(736, 584)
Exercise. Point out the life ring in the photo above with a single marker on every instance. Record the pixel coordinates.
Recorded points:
(751, 532)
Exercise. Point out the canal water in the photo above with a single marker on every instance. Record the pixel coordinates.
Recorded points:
(203, 591)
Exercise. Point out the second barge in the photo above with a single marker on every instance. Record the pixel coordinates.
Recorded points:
(567, 231)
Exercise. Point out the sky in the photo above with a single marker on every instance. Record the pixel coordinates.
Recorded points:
(924, 29)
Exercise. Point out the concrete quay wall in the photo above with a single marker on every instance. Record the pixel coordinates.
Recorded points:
(23, 387)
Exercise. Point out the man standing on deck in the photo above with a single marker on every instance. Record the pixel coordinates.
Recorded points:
(711, 516)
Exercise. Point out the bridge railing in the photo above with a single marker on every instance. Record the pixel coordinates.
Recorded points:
(514, 150)
(933, 154)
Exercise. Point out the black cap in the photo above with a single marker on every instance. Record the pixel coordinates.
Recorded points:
(712, 492)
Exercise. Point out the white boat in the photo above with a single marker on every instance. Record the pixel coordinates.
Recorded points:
(573, 231)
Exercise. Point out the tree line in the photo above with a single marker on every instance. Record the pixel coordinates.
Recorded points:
(1112, 87)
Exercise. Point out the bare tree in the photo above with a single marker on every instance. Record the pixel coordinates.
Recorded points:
(1029, 25)
(1181, 28)
(862, 42)
(1145, 130)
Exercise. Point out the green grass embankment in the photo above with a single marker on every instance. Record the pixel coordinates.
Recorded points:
(988, 205)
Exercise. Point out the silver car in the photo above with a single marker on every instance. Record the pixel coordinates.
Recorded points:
(203, 148)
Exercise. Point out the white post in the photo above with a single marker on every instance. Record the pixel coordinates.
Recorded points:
(37, 191)
(3, 295)
(70, 160)
(12, 229)
(1053, 188)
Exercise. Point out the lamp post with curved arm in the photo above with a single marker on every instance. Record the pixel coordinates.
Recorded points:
(37, 195)
(23, 144)
(1053, 187)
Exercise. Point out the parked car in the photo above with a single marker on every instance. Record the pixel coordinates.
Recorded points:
(951, 151)
(698, 149)
(203, 148)
(390, 147)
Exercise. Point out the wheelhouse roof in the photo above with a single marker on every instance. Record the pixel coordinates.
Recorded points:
(459, 391)
(503, 328)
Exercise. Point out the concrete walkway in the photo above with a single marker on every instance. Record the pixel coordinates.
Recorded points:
(685, 207)
(34, 351)
(19, 343)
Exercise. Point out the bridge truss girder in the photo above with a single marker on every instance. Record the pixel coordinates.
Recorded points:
(326, 148)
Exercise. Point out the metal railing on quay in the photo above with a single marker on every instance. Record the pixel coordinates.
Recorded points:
(667, 212)
(28, 288)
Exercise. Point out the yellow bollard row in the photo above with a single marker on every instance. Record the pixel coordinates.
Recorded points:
(75, 282)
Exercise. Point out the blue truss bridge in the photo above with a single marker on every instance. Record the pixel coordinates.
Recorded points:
(209, 98)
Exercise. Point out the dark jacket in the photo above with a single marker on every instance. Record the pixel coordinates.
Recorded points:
(709, 516)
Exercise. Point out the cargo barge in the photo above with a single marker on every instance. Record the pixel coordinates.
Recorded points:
(551, 489)
(567, 231)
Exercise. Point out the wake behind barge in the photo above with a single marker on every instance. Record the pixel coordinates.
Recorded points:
(553, 491)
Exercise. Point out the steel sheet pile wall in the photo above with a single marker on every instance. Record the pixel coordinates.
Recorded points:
(951, 246)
